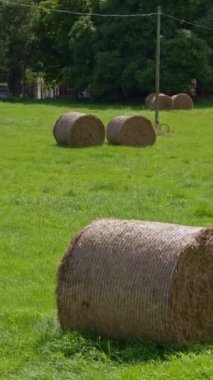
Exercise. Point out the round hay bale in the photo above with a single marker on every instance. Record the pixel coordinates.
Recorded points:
(145, 280)
(165, 102)
(182, 102)
(131, 131)
(149, 98)
(79, 130)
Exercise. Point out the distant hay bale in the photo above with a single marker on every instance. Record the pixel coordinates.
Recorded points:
(79, 130)
(165, 102)
(131, 130)
(149, 98)
(146, 280)
(182, 102)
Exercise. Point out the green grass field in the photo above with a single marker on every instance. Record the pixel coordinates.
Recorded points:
(49, 192)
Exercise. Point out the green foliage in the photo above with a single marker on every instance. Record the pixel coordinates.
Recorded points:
(17, 38)
(205, 17)
(112, 57)
(122, 52)
(3, 49)
(106, 75)
(184, 57)
(49, 55)
(82, 35)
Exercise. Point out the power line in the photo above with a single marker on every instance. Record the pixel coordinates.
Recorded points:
(187, 22)
(75, 13)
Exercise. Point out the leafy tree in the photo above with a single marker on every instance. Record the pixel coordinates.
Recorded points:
(81, 36)
(205, 17)
(184, 58)
(106, 75)
(17, 37)
(3, 49)
(122, 50)
(113, 57)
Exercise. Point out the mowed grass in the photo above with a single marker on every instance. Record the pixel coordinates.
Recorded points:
(48, 193)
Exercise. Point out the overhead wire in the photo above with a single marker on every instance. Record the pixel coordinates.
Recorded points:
(75, 13)
(116, 15)
(187, 22)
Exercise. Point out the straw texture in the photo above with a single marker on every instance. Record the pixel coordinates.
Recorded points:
(146, 280)
(79, 130)
(131, 130)
(165, 102)
(182, 102)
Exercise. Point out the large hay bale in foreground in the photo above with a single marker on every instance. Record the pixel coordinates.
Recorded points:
(165, 102)
(79, 130)
(131, 130)
(149, 98)
(145, 280)
(182, 102)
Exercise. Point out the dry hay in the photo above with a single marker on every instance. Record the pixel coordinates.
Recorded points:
(79, 130)
(165, 102)
(131, 130)
(149, 98)
(182, 102)
(146, 280)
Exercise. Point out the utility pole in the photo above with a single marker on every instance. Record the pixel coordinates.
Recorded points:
(157, 75)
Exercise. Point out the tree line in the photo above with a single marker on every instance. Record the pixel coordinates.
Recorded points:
(112, 57)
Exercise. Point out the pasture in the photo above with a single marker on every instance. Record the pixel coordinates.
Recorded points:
(48, 193)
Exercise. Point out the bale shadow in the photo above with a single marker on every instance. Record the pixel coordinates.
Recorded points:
(73, 344)
(73, 102)
(132, 351)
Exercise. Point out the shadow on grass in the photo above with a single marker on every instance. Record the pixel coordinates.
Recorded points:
(81, 103)
(74, 344)
(137, 104)
(204, 103)
(132, 351)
